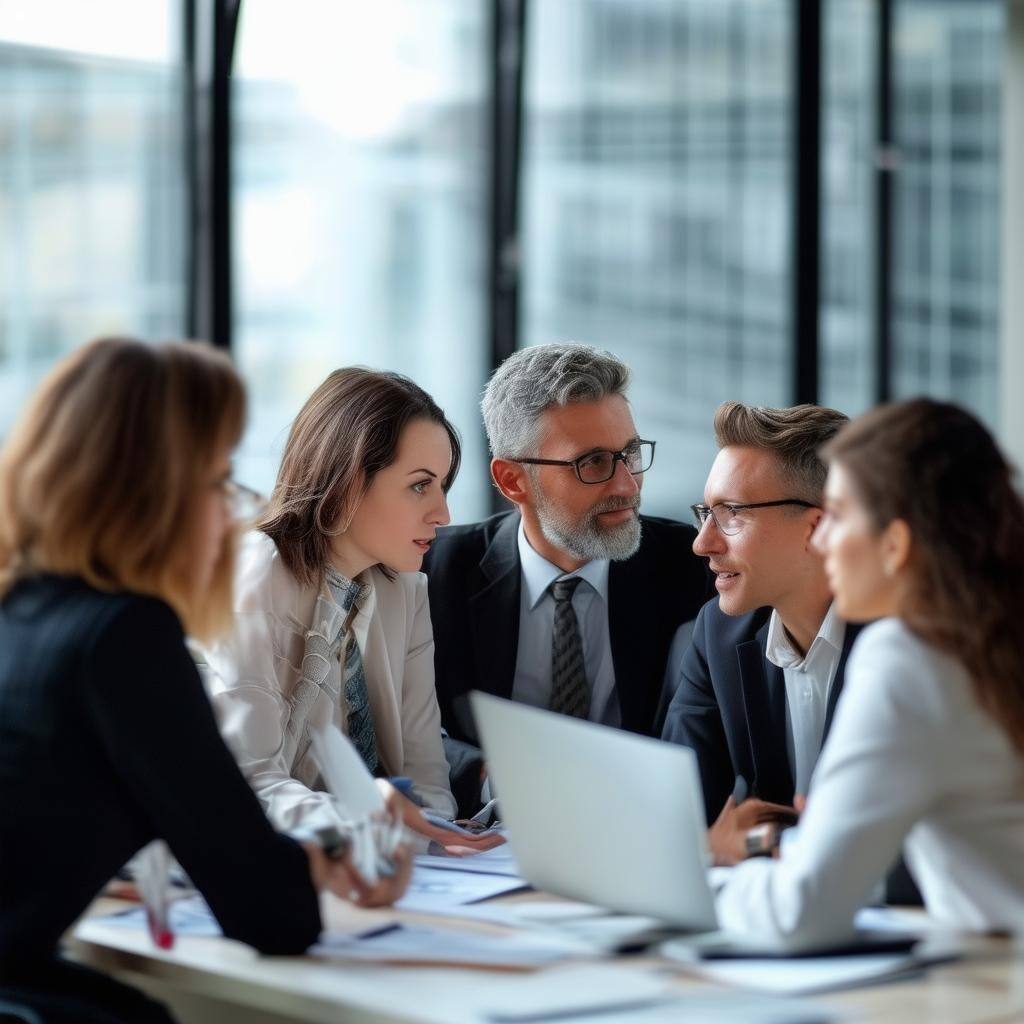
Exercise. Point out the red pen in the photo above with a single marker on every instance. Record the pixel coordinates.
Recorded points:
(152, 874)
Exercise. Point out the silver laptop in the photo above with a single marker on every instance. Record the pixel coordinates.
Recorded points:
(599, 815)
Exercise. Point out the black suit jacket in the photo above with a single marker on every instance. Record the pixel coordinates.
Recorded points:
(474, 578)
(107, 740)
(730, 707)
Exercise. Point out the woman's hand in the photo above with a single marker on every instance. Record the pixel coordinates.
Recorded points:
(412, 817)
(338, 876)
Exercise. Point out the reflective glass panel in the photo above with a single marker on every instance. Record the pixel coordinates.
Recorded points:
(360, 210)
(92, 181)
(656, 214)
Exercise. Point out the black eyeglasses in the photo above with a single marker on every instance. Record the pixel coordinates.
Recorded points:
(727, 514)
(596, 467)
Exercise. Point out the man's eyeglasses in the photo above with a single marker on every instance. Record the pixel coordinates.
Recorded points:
(727, 515)
(596, 467)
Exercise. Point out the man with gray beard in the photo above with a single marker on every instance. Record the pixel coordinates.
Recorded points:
(571, 601)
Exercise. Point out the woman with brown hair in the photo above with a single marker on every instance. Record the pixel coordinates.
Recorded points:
(115, 540)
(924, 532)
(332, 621)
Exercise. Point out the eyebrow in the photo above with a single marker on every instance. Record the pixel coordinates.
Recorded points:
(430, 473)
(723, 501)
(598, 448)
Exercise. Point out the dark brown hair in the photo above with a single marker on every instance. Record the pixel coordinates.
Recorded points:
(933, 465)
(346, 433)
(100, 476)
(794, 436)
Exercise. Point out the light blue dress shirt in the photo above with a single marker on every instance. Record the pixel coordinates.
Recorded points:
(532, 681)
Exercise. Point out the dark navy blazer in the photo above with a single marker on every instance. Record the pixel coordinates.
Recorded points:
(474, 577)
(730, 707)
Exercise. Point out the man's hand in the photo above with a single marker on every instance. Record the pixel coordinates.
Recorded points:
(411, 816)
(337, 875)
(727, 837)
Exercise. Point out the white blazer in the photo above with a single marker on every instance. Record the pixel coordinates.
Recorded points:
(252, 672)
(911, 759)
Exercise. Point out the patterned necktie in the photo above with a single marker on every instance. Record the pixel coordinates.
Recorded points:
(569, 693)
(359, 718)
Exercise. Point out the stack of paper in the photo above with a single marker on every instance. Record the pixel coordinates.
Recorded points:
(617, 994)
(499, 861)
(188, 916)
(421, 944)
(807, 975)
(433, 890)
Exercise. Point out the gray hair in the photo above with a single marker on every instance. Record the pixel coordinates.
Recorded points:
(535, 379)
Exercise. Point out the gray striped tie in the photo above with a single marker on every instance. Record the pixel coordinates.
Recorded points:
(569, 693)
(359, 715)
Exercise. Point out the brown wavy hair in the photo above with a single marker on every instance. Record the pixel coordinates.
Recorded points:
(101, 474)
(346, 433)
(933, 465)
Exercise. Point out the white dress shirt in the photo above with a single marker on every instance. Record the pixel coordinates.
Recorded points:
(809, 679)
(532, 681)
(252, 673)
(911, 759)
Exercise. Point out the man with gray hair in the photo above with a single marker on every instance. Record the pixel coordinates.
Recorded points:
(571, 601)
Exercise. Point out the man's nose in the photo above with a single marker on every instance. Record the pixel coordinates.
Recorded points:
(709, 540)
(623, 482)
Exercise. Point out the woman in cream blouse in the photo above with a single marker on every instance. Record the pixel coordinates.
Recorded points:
(332, 621)
(924, 532)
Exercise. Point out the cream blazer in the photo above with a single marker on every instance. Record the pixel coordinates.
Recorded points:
(251, 673)
(911, 760)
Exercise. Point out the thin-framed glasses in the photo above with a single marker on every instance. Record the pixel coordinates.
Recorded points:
(244, 503)
(726, 514)
(598, 466)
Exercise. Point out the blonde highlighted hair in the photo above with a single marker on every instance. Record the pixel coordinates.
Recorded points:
(793, 435)
(102, 475)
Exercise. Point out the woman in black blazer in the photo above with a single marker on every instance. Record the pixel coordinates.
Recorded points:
(115, 539)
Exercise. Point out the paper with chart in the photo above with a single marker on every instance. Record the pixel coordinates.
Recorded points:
(432, 890)
(499, 861)
(187, 916)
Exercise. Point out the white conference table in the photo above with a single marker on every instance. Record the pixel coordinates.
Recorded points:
(206, 980)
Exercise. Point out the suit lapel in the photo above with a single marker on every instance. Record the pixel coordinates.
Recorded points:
(494, 611)
(626, 629)
(764, 697)
(837, 683)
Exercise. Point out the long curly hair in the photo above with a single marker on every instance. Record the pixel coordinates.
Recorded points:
(933, 465)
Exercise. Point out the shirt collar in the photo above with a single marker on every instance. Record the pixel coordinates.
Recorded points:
(781, 652)
(538, 573)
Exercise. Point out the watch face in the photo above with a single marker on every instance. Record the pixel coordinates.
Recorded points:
(761, 840)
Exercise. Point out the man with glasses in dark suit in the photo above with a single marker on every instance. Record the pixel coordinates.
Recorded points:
(759, 682)
(570, 601)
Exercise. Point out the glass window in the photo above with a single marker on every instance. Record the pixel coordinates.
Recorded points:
(847, 324)
(360, 210)
(92, 189)
(948, 68)
(657, 208)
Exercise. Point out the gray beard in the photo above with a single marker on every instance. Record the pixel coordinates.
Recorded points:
(585, 539)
